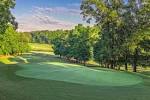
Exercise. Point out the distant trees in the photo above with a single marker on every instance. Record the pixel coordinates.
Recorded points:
(77, 44)
(44, 36)
(40, 37)
(122, 25)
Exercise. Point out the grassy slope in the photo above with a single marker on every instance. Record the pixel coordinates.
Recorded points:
(5, 60)
(13, 87)
(72, 73)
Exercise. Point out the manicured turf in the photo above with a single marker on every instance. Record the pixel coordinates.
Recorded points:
(40, 76)
(77, 74)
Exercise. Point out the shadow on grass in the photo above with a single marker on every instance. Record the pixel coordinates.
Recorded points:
(13, 87)
(7, 71)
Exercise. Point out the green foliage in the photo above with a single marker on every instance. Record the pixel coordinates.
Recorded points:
(44, 36)
(5, 14)
(76, 44)
(13, 42)
(122, 25)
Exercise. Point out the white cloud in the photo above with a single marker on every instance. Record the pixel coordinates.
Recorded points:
(40, 19)
(57, 10)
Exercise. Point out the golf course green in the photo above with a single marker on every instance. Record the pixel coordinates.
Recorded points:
(42, 76)
(77, 74)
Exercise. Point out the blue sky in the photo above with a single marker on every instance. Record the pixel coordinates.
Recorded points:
(35, 15)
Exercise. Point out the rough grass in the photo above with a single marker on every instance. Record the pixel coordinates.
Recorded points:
(14, 87)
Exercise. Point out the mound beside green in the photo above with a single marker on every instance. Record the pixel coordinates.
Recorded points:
(77, 74)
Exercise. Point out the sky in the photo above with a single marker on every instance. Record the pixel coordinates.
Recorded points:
(33, 15)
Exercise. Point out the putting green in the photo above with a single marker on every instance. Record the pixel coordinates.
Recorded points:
(77, 74)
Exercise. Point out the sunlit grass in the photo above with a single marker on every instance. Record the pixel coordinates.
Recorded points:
(92, 63)
(6, 60)
(41, 47)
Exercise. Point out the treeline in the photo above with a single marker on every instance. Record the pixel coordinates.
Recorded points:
(44, 36)
(125, 27)
(120, 37)
(90, 43)
(76, 44)
(86, 43)
(11, 41)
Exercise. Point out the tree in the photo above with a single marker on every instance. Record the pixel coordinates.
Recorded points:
(9, 38)
(119, 20)
(77, 43)
(107, 17)
(13, 42)
(136, 20)
(6, 16)
(82, 41)
(60, 44)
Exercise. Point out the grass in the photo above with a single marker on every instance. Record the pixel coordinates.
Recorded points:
(76, 74)
(41, 47)
(46, 77)
(5, 60)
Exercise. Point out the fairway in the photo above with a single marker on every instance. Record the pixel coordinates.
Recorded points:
(43, 76)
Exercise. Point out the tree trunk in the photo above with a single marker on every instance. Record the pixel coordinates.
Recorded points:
(134, 64)
(126, 63)
(126, 66)
(84, 63)
(119, 67)
(135, 60)
(134, 69)
(112, 64)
